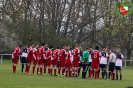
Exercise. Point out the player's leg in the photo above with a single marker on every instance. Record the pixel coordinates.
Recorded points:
(120, 71)
(38, 67)
(63, 67)
(96, 65)
(104, 71)
(44, 64)
(22, 67)
(54, 63)
(34, 65)
(89, 69)
(76, 68)
(59, 68)
(14, 61)
(79, 68)
(83, 72)
(116, 73)
(109, 71)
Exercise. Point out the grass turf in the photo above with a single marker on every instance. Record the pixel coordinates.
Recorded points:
(20, 80)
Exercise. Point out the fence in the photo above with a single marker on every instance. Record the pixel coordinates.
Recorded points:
(1, 59)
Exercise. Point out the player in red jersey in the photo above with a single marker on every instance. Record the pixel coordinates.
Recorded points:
(41, 58)
(76, 59)
(69, 60)
(62, 57)
(15, 57)
(29, 58)
(95, 55)
(48, 59)
(54, 59)
(35, 57)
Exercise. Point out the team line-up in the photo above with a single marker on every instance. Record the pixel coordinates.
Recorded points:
(69, 61)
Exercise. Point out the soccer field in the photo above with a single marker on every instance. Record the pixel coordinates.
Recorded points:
(20, 80)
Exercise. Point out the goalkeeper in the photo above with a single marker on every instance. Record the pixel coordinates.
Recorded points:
(85, 62)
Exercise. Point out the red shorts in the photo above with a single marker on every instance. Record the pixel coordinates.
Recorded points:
(35, 61)
(95, 65)
(48, 62)
(55, 62)
(68, 64)
(29, 60)
(75, 62)
(15, 60)
(40, 62)
(62, 64)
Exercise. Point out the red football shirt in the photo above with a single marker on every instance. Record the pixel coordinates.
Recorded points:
(16, 51)
(55, 54)
(41, 53)
(62, 55)
(95, 55)
(76, 53)
(48, 54)
(30, 53)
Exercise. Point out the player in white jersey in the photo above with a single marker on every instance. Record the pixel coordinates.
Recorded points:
(118, 63)
(23, 57)
(103, 61)
(90, 59)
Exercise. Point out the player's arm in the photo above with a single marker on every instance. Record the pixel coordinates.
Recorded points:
(83, 56)
(92, 55)
(71, 57)
(13, 54)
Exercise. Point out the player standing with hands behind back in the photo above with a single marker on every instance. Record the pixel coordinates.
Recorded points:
(118, 64)
(95, 62)
(15, 57)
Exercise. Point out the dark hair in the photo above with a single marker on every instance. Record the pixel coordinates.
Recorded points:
(77, 45)
(50, 47)
(24, 45)
(20, 45)
(96, 47)
(90, 46)
(43, 44)
(87, 48)
(104, 47)
(36, 44)
(31, 44)
(112, 50)
(57, 47)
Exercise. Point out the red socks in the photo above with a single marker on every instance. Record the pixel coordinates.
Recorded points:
(96, 72)
(49, 70)
(13, 68)
(41, 70)
(112, 76)
(55, 72)
(70, 73)
(33, 69)
(75, 73)
(27, 69)
(67, 73)
(63, 70)
(90, 73)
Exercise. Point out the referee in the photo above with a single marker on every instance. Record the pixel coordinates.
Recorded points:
(112, 59)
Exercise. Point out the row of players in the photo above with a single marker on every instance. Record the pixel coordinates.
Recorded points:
(68, 61)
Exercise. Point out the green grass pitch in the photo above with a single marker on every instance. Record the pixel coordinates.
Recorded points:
(20, 80)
